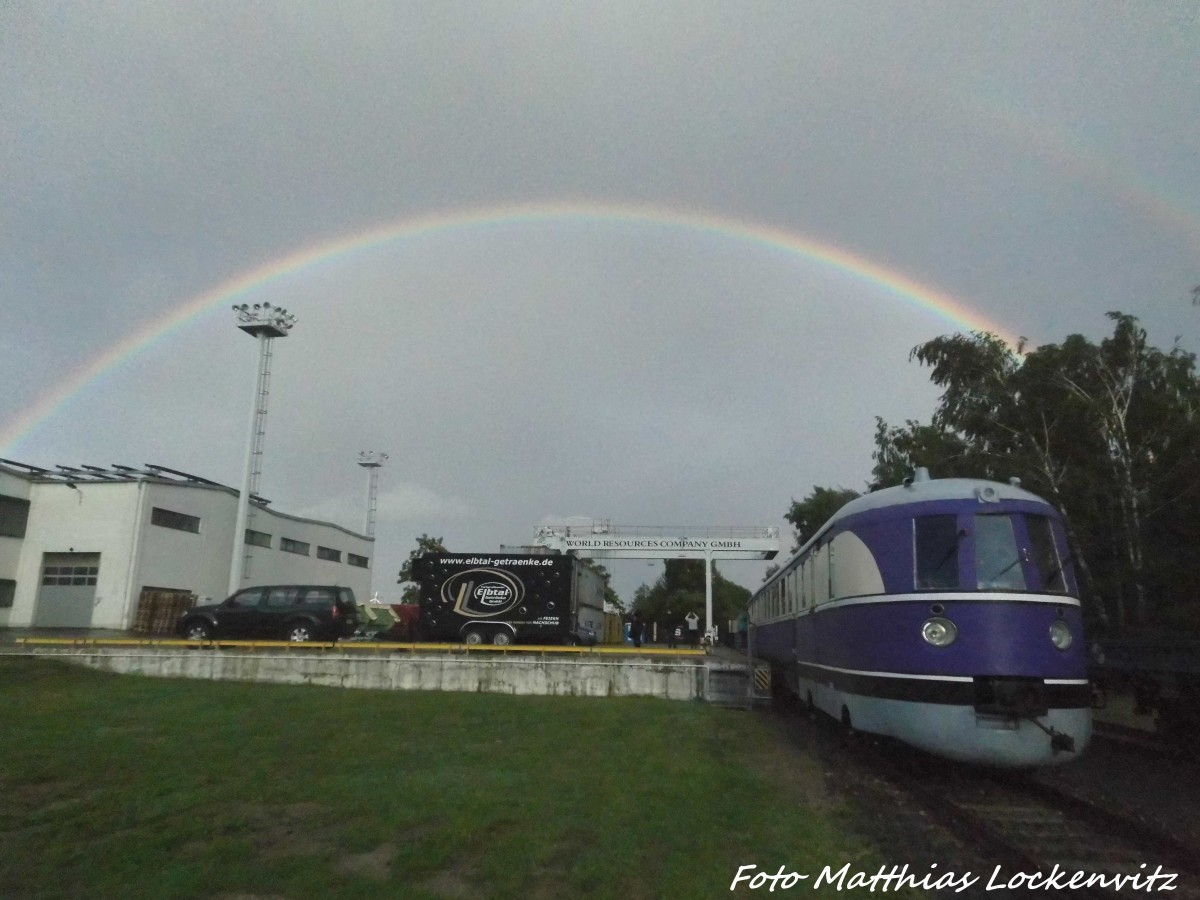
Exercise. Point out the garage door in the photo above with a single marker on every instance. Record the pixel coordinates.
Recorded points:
(67, 593)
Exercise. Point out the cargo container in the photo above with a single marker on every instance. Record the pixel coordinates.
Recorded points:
(509, 598)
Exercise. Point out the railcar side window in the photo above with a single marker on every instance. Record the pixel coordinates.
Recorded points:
(821, 574)
(1046, 554)
(997, 559)
(936, 552)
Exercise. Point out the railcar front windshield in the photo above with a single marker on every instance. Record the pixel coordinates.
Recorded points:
(1050, 564)
(997, 556)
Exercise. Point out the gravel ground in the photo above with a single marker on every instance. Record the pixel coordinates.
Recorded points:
(1165, 793)
(1160, 790)
(881, 813)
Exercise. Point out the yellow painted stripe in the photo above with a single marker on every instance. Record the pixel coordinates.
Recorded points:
(367, 646)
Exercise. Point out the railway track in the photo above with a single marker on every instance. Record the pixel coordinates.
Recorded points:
(1019, 835)
(1138, 739)
(1045, 839)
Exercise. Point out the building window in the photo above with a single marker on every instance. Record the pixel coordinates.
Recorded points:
(355, 560)
(8, 590)
(168, 518)
(258, 538)
(14, 514)
(290, 546)
(329, 554)
(70, 575)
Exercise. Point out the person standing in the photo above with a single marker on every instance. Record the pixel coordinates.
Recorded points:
(636, 627)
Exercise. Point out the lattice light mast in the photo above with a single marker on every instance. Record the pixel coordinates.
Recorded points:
(371, 460)
(265, 323)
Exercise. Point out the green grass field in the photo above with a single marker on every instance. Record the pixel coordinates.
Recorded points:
(122, 786)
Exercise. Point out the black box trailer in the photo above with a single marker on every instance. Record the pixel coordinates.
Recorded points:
(508, 598)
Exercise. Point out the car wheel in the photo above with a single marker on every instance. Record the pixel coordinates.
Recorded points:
(502, 638)
(300, 632)
(473, 636)
(198, 630)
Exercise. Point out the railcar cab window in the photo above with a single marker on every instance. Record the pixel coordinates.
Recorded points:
(1050, 564)
(935, 552)
(997, 557)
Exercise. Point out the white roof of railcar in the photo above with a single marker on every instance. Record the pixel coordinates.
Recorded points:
(936, 489)
(919, 489)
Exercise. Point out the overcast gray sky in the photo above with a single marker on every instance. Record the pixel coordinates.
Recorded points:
(696, 326)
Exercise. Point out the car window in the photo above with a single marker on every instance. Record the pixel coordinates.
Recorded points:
(282, 596)
(320, 596)
(248, 599)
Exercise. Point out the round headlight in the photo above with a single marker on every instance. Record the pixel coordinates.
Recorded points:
(939, 632)
(1060, 634)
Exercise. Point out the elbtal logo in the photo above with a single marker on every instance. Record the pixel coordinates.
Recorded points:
(482, 592)
(493, 594)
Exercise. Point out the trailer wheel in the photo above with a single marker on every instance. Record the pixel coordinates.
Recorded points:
(502, 638)
(473, 636)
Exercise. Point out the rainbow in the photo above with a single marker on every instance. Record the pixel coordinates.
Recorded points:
(61, 392)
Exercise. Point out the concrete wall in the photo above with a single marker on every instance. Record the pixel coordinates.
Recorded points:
(675, 679)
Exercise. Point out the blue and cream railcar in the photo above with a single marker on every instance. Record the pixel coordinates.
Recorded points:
(943, 613)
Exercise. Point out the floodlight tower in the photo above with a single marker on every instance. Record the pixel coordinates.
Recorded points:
(265, 323)
(371, 460)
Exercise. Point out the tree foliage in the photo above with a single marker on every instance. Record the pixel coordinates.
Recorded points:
(808, 515)
(1108, 432)
(425, 544)
(680, 590)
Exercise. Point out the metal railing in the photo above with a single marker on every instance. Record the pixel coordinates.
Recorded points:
(600, 528)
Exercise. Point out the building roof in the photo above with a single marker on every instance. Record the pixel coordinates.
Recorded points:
(98, 475)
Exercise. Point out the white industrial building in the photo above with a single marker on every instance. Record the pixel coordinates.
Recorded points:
(79, 546)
